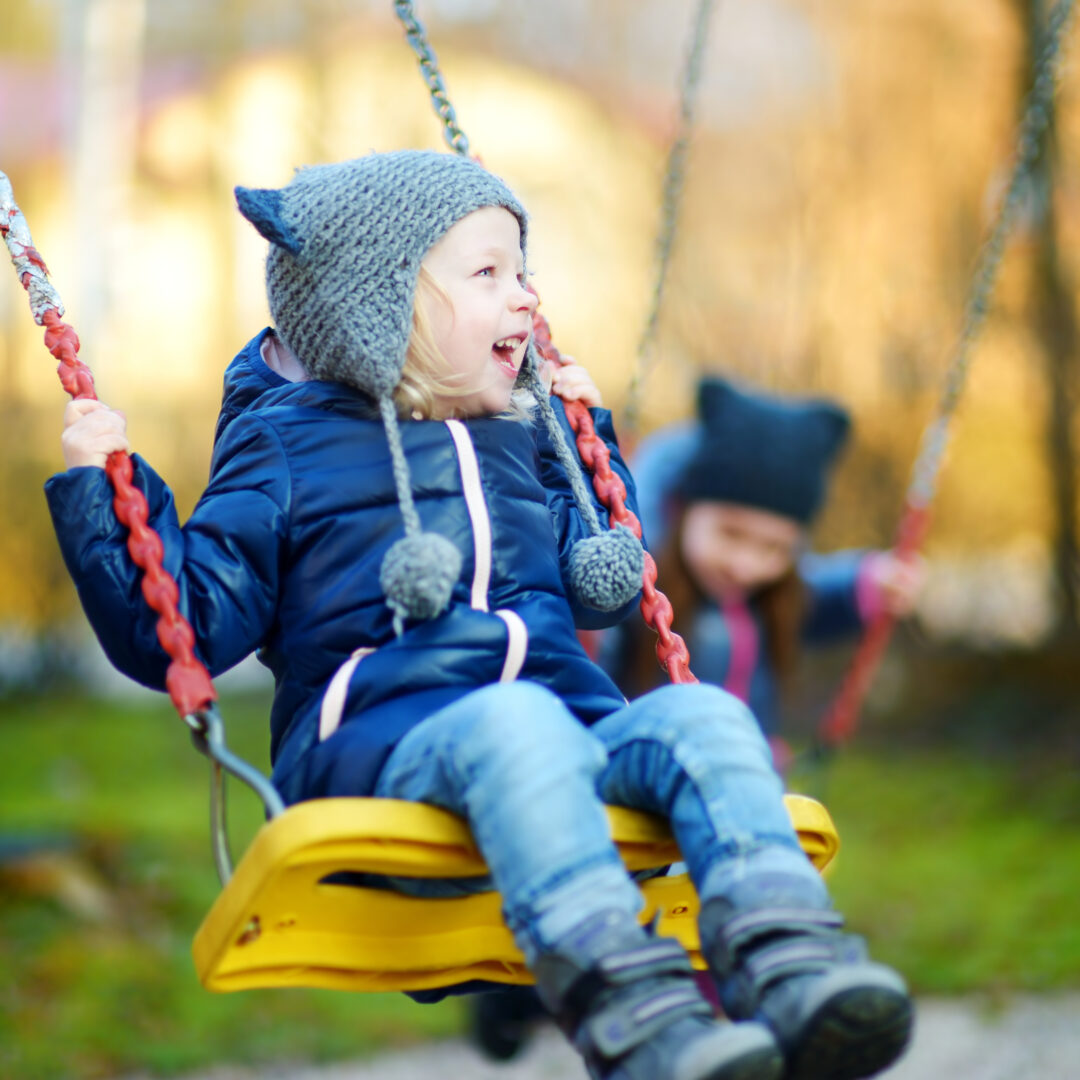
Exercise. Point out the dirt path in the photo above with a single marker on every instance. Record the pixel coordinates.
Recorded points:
(1029, 1038)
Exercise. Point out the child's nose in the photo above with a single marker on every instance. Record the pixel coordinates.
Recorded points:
(744, 568)
(523, 300)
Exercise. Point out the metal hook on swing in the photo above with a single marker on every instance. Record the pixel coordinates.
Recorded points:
(208, 737)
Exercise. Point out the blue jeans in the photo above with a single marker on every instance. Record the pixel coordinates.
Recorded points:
(531, 780)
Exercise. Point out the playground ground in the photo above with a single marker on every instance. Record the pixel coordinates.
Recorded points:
(960, 862)
(1030, 1037)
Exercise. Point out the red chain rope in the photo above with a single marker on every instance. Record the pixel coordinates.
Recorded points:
(656, 608)
(840, 721)
(187, 680)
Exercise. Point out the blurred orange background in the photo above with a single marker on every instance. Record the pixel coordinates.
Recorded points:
(842, 175)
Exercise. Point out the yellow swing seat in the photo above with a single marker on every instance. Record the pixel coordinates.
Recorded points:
(279, 922)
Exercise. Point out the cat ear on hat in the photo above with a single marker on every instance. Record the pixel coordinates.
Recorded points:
(714, 395)
(834, 427)
(263, 208)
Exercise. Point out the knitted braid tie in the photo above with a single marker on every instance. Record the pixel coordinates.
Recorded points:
(605, 568)
(418, 573)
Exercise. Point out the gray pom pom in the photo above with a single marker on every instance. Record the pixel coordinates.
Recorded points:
(605, 570)
(418, 575)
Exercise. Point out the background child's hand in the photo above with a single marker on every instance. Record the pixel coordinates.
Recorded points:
(574, 383)
(92, 431)
(899, 581)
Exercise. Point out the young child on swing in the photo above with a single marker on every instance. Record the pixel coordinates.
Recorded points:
(726, 505)
(409, 549)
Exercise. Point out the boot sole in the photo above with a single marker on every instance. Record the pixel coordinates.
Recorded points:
(856, 1032)
(750, 1054)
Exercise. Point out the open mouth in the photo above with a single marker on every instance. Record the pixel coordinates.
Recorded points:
(508, 352)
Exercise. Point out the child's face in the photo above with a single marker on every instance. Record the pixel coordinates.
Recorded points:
(731, 549)
(483, 331)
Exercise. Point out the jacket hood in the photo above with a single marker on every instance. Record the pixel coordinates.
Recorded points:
(248, 380)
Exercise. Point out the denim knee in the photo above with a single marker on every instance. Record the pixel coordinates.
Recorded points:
(695, 754)
(690, 715)
(523, 724)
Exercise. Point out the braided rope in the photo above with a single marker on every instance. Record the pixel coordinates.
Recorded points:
(562, 448)
(187, 680)
(656, 608)
(841, 720)
(399, 465)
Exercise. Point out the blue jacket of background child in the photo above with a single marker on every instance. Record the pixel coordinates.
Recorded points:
(831, 615)
(721, 640)
(282, 555)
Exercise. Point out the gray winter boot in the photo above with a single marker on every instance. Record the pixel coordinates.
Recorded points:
(836, 1015)
(628, 1003)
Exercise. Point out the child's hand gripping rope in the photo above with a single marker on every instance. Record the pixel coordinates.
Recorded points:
(92, 431)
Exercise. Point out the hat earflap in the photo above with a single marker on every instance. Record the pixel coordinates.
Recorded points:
(419, 571)
(605, 568)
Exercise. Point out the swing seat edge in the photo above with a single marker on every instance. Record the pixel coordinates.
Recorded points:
(280, 923)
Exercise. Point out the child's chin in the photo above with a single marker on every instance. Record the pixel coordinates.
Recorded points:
(494, 401)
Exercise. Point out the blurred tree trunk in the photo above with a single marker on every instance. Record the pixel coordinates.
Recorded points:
(103, 41)
(1056, 324)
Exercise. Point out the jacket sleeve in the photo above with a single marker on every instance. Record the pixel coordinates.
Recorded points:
(226, 560)
(570, 526)
(838, 600)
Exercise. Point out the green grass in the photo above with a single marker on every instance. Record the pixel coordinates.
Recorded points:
(93, 999)
(963, 873)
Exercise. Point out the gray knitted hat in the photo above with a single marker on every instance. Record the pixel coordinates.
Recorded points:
(346, 243)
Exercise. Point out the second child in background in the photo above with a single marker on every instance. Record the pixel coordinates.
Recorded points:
(726, 507)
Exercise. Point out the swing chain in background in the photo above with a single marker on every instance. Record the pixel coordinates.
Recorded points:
(188, 682)
(656, 609)
(674, 183)
(429, 68)
(1029, 142)
(842, 718)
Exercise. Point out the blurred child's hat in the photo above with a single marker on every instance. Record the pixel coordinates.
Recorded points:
(346, 243)
(772, 453)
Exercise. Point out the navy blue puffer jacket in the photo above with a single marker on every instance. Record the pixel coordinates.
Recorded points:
(282, 555)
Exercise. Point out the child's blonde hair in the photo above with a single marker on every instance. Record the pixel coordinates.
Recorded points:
(426, 378)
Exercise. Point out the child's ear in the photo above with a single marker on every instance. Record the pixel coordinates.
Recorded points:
(262, 207)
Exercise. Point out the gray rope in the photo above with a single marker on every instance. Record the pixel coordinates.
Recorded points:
(400, 465)
(429, 68)
(1032, 129)
(567, 457)
(16, 235)
(674, 183)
